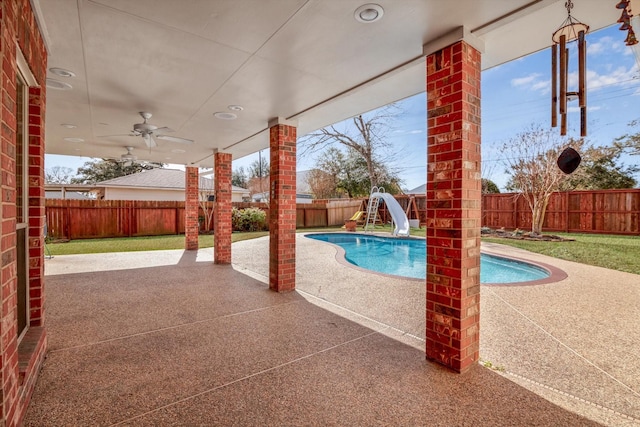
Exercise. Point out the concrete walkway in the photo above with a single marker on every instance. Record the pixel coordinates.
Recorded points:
(169, 338)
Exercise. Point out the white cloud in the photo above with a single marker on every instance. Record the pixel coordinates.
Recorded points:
(605, 44)
(525, 81)
(577, 109)
(544, 86)
(620, 76)
(408, 132)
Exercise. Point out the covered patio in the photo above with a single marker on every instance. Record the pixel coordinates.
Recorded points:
(166, 345)
(202, 84)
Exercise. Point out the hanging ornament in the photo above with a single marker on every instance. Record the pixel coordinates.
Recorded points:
(570, 30)
(625, 20)
(569, 160)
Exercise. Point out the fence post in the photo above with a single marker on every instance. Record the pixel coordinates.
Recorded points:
(515, 202)
(566, 219)
(67, 222)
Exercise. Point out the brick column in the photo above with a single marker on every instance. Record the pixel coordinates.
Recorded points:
(453, 206)
(282, 206)
(222, 211)
(191, 207)
(37, 216)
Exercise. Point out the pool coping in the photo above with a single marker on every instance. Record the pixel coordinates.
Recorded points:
(555, 274)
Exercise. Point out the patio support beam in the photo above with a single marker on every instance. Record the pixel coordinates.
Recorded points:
(222, 210)
(191, 205)
(282, 205)
(453, 205)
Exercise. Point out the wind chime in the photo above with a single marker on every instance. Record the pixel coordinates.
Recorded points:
(625, 20)
(570, 30)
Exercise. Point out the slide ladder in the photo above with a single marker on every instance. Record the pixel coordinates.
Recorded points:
(399, 220)
(372, 208)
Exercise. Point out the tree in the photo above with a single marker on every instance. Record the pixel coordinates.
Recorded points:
(259, 177)
(205, 193)
(365, 136)
(322, 184)
(58, 175)
(531, 160)
(489, 187)
(259, 168)
(95, 171)
(601, 170)
(239, 177)
(350, 173)
(629, 142)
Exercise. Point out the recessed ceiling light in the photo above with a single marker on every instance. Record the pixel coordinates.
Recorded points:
(225, 116)
(167, 158)
(368, 13)
(235, 107)
(62, 72)
(74, 139)
(55, 84)
(178, 151)
(68, 125)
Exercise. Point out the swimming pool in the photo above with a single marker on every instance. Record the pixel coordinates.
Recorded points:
(407, 258)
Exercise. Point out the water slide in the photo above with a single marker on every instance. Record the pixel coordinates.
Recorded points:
(398, 216)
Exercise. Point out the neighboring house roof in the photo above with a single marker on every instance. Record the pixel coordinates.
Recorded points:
(419, 190)
(68, 191)
(71, 195)
(160, 178)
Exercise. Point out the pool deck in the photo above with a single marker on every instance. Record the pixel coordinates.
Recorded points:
(169, 338)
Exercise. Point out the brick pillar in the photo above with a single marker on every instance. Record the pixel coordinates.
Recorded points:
(282, 206)
(36, 208)
(222, 211)
(453, 206)
(191, 207)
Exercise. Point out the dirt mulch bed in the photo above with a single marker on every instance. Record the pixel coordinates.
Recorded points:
(522, 235)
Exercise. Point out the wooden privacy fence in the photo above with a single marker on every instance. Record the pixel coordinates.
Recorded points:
(596, 211)
(603, 211)
(88, 219)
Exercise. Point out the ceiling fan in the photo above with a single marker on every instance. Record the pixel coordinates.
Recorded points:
(126, 159)
(150, 132)
(129, 159)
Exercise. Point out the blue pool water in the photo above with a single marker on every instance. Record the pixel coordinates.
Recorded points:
(407, 258)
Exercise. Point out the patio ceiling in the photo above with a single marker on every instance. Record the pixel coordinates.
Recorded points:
(308, 60)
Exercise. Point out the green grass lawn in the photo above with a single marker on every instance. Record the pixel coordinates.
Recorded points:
(132, 244)
(150, 243)
(615, 252)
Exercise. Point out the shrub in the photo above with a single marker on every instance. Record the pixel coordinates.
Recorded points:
(249, 219)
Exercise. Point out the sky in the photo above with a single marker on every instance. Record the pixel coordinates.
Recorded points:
(515, 96)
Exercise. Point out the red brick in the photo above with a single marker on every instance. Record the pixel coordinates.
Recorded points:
(453, 153)
(191, 206)
(222, 212)
(282, 208)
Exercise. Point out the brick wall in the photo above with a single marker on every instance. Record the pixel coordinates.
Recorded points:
(453, 206)
(191, 200)
(282, 209)
(222, 212)
(20, 362)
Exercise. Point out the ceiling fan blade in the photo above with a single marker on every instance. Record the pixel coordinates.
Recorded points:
(175, 139)
(121, 134)
(149, 140)
(163, 129)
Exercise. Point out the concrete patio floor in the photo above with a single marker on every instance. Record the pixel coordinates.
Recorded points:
(169, 338)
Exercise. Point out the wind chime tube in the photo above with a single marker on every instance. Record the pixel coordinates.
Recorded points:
(554, 85)
(582, 82)
(564, 61)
